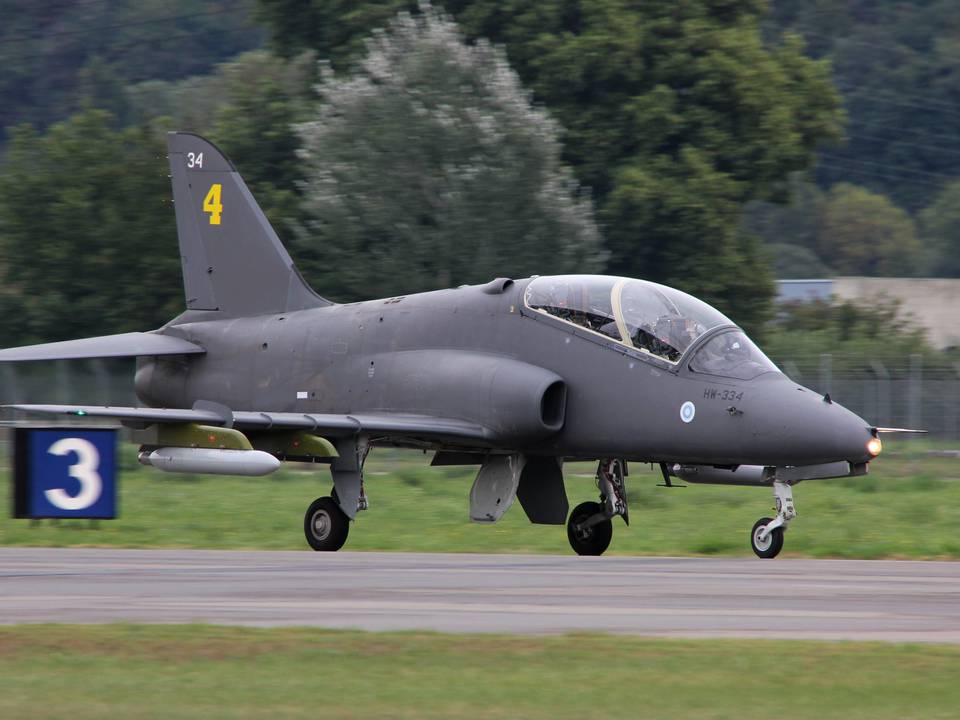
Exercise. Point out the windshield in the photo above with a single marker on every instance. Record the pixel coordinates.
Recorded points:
(652, 318)
(664, 321)
(731, 354)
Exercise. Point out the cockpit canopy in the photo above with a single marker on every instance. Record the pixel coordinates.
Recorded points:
(652, 318)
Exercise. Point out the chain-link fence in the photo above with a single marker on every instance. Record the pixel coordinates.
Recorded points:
(917, 391)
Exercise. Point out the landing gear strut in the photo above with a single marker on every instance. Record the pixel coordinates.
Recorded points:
(766, 537)
(590, 527)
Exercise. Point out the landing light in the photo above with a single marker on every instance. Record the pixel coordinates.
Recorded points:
(874, 446)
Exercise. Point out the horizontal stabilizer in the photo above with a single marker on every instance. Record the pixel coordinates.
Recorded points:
(134, 344)
(382, 424)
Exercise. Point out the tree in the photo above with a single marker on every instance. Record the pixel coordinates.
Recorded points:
(794, 261)
(334, 29)
(853, 333)
(896, 65)
(87, 232)
(795, 222)
(428, 166)
(675, 114)
(248, 106)
(64, 55)
(941, 230)
(264, 97)
(862, 233)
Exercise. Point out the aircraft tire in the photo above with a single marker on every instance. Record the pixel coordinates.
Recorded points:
(594, 540)
(774, 543)
(325, 525)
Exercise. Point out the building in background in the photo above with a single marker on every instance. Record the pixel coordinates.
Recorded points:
(933, 303)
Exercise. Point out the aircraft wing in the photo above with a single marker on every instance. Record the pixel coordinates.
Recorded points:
(386, 424)
(133, 344)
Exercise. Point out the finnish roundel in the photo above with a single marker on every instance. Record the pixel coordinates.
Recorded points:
(687, 411)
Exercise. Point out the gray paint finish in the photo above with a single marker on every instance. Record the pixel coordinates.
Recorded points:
(682, 597)
(508, 378)
(132, 344)
(459, 354)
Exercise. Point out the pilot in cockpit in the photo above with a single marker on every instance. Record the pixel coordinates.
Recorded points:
(676, 331)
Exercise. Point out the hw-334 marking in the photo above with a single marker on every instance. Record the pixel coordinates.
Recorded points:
(718, 394)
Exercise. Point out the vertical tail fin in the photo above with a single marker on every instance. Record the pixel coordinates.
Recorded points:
(232, 259)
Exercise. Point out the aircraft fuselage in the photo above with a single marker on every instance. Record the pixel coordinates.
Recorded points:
(437, 353)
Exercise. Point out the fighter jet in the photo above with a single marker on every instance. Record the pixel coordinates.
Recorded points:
(516, 377)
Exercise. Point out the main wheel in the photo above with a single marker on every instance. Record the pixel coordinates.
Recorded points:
(594, 539)
(325, 525)
(771, 546)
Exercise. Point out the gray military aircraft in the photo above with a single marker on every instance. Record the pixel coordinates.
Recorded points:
(514, 376)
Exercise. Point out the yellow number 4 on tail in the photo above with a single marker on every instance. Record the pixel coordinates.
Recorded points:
(211, 204)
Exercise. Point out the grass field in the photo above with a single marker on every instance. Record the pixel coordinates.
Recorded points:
(209, 672)
(909, 506)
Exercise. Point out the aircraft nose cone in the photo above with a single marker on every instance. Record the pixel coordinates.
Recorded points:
(797, 426)
(850, 433)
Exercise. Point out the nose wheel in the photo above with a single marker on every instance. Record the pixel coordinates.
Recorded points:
(769, 545)
(766, 537)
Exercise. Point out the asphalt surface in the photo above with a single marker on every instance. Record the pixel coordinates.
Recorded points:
(690, 597)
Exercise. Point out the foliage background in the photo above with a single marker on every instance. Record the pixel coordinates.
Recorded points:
(708, 144)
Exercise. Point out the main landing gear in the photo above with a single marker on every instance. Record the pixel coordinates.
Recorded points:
(327, 521)
(766, 537)
(326, 525)
(590, 527)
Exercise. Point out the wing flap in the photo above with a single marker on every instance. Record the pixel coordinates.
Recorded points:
(134, 344)
(329, 424)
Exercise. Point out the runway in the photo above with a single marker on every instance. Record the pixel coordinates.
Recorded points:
(682, 597)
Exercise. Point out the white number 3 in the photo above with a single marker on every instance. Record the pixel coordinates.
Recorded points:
(194, 160)
(84, 471)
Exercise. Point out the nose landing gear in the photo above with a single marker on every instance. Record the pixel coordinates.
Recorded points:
(766, 537)
(590, 527)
